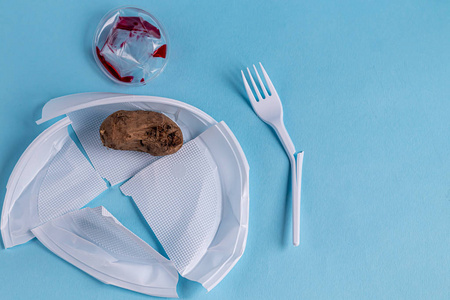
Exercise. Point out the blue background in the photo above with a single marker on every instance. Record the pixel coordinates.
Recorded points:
(366, 92)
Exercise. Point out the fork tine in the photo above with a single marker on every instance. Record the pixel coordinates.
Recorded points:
(249, 91)
(269, 83)
(261, 83)
(254, 85)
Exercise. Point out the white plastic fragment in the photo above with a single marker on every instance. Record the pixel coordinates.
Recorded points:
(94, 241)
(61, 180)
(196, 204)
(65, 104)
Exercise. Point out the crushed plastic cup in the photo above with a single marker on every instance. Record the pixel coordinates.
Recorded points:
(130, 46)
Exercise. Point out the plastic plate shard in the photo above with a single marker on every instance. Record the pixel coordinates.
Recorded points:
(189, 199)
(97, 243)
(55, 178)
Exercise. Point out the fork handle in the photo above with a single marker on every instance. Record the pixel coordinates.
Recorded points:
(295, 202)
(296, 199)
(284, 137)
(296, 173)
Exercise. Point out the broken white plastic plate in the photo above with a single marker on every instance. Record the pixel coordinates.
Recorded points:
(230, 238)
(96, 242)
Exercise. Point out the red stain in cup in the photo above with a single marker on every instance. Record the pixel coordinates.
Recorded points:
(161, 51)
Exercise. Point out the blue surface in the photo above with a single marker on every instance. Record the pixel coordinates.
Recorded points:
(365, 87)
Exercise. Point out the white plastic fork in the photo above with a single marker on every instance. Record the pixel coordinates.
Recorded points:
(270, 110)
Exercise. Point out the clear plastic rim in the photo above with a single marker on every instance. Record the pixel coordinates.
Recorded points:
(97, 35)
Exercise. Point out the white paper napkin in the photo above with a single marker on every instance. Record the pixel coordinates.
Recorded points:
(180, 197)
(113, 165)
